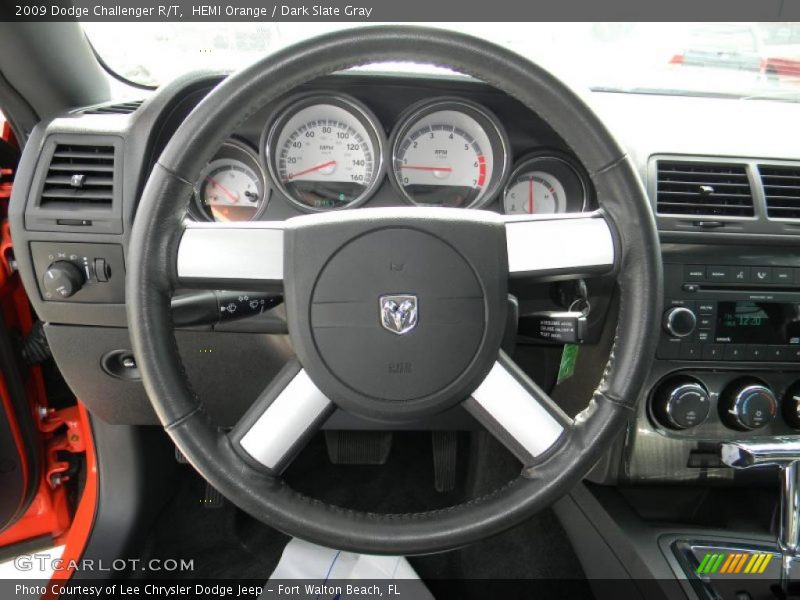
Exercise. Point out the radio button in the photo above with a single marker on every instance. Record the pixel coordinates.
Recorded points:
(778, 353)
(761, 275)
(713, 351)
(703, 336)
(705, 321)
(690, 351)
(734, 352)
(694, 273)
(719, 274)
(740, 274)
(783, 275)
(756, 353)
(706, 308)
(793, 353)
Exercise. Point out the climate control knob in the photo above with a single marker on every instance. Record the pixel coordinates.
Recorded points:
(791, 405)
(748, 405)
(679, 321)
(62, 279)
(681, 403)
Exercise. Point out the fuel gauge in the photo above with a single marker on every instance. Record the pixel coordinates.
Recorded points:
(231, 187)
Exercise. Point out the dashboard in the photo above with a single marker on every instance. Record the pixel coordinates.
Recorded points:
(720, 174)
(327, 149)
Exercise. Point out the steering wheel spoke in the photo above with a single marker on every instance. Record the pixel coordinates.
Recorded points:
(231, 256)
(517, 411)
(579, 245)
(281, 421)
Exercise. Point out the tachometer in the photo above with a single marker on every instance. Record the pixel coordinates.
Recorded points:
(449, 153)
(545, 183)
(232, 187)
(325, 152)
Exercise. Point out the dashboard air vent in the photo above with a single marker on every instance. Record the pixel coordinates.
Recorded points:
(781, 190)
(80, 175)
(703, 189)
(122, 108)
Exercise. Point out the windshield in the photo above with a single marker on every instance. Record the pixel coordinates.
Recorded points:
(736, 59)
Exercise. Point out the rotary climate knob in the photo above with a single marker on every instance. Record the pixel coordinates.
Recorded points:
(681, 403)
(748, 405)
(679, 321)
(62, 279)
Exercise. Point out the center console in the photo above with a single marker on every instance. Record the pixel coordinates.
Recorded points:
(727, 365)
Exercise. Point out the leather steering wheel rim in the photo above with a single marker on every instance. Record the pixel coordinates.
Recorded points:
(152, 276)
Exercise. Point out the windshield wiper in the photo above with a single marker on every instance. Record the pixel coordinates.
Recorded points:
(778, 95)
(774, 95)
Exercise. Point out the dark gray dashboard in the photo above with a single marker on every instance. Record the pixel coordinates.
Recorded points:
(85, 331)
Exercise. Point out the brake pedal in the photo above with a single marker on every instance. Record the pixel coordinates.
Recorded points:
(445, 455)
(358, 447)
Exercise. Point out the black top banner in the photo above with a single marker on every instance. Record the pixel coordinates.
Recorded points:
(376, 11)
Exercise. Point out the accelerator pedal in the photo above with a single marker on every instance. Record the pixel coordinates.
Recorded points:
(445, 455)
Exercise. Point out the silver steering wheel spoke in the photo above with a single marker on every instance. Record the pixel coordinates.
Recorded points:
(577, 244)
(282, 420)
(517, 411)
(231, 256)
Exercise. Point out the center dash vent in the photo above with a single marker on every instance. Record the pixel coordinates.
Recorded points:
(781, 190)
(79, 176)
(703, 189)
(120, 108)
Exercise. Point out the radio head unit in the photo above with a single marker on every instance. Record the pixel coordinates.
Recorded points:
(731, 313)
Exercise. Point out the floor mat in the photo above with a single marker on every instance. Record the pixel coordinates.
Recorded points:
(227, 543)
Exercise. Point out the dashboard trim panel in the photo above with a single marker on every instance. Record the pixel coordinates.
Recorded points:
(232, 252)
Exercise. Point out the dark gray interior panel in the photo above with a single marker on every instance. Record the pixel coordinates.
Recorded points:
(227, 370)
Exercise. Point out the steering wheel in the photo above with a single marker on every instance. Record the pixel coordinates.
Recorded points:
(394, 313)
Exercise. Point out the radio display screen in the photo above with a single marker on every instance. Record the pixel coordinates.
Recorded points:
(758, 323)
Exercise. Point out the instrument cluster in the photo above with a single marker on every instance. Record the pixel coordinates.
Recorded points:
(328, 151)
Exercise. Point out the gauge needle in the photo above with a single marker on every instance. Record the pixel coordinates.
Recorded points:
(530, 196)
(418, 168)
(226, 191)
(330, 163)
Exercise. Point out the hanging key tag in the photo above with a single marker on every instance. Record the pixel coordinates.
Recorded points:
(558, 327)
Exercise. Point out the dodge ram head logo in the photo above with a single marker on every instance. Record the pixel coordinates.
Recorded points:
(398, 313)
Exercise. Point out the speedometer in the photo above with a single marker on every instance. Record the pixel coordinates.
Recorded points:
(449, 153)
(325, 152)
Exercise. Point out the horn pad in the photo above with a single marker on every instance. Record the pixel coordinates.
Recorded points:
(396, 313)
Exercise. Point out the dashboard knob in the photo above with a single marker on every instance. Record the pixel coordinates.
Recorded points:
(679, 321)
(62, 279)
(791, 405)
(748, 405)
(681, 403)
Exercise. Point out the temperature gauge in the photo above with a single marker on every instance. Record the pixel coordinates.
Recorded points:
(545, 184)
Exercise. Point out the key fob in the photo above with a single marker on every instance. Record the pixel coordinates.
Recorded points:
(565, 327)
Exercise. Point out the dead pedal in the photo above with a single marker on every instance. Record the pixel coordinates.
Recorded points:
(358, 447)
(445, 455)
